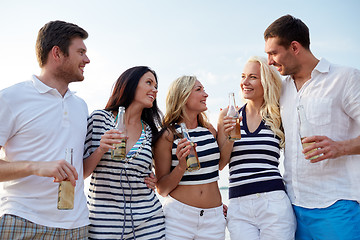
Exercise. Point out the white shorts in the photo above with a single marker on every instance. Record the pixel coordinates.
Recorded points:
(261, 216)
(186, 222)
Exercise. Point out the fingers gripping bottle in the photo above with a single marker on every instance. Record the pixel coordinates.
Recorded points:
(192, 160)
(235, 134)
(66, 189)
(119, 153)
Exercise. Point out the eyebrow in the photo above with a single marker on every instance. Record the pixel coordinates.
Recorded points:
(153, 81)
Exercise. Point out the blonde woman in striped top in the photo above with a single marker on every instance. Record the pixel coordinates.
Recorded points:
(258, 205)
(193, 207)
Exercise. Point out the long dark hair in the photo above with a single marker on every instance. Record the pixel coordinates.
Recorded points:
(123, 94)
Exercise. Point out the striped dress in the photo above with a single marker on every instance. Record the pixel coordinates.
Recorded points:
(121, 206)
(208, 153)
(254, 161)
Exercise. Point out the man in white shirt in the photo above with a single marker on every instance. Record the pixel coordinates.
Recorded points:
(324, 190)
(39, 119)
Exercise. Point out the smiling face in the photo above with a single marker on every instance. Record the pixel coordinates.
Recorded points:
(146, 90)
(72, 66)
(280, 57)
(197, 99)
(250, 84)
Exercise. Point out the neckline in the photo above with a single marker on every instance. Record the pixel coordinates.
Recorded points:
(245, 126)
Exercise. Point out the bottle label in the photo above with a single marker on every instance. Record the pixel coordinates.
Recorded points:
(66, 196)
(119, 153)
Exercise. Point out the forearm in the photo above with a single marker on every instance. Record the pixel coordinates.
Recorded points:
(350, 147)
(92, 161)
(225, 153)
(168, 183)
(14, 170)
(225, 146)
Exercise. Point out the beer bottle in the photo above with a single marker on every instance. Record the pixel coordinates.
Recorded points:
(119, 153)
(305, 129)
(66, 189)
(192, 160)
(235, 134)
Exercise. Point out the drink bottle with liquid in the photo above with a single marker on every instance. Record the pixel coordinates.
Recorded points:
(192, 160)
(235, 134)
(305, 129)
(66, 189)
(119, 153)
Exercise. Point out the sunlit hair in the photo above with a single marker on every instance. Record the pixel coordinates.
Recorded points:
(178, 94)
(270, 110)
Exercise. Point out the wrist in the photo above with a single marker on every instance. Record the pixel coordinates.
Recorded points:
(181, 168)
(101, 150)
(31, 167)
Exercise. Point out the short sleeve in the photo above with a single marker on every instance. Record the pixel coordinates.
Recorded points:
(98, 123)
(351, 95)
(7, 121)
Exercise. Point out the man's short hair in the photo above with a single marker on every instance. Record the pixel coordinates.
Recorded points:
(56, 33)
(288, 28)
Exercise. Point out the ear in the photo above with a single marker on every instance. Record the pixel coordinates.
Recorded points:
(56, 53)
(295, 46)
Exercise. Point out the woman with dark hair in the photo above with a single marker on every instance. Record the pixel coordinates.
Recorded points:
(121, 204)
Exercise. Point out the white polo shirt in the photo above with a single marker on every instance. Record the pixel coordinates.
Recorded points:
(38, 124)
(331, 99)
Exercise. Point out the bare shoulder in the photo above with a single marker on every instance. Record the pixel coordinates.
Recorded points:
(167, 137)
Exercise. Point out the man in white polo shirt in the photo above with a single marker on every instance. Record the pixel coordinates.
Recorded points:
(322, 180)
(39, 119)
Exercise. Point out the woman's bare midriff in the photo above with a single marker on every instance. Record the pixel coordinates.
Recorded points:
(200, 196)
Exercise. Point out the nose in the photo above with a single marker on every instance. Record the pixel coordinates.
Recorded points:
(245, 80)
(205, 94)
(270, 60)
(87, 60)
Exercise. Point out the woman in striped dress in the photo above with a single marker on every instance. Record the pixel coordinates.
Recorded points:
(120, 203)
(193, 207)
(259, 207)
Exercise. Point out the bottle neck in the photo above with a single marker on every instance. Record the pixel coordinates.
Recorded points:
(232, 112)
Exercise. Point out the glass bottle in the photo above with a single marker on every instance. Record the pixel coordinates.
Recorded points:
(119, 153)
(66, 189)
(192, 160)
(305, 129)
(235, 134)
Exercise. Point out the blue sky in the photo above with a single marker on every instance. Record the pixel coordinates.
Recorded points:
(206, 38)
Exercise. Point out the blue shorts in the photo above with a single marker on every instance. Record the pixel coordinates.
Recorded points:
(340, 221)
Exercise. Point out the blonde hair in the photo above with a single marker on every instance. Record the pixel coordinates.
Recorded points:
(270, 109)
(178, 94)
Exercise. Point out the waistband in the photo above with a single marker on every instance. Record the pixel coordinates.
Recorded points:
(184, 208)
(267, 195)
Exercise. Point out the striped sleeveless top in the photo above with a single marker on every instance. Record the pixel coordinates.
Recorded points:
(254, 161)
(208, 153)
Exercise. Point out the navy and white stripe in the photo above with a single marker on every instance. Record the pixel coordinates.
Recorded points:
(208, 153)
(118, 191)
(254, 161)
